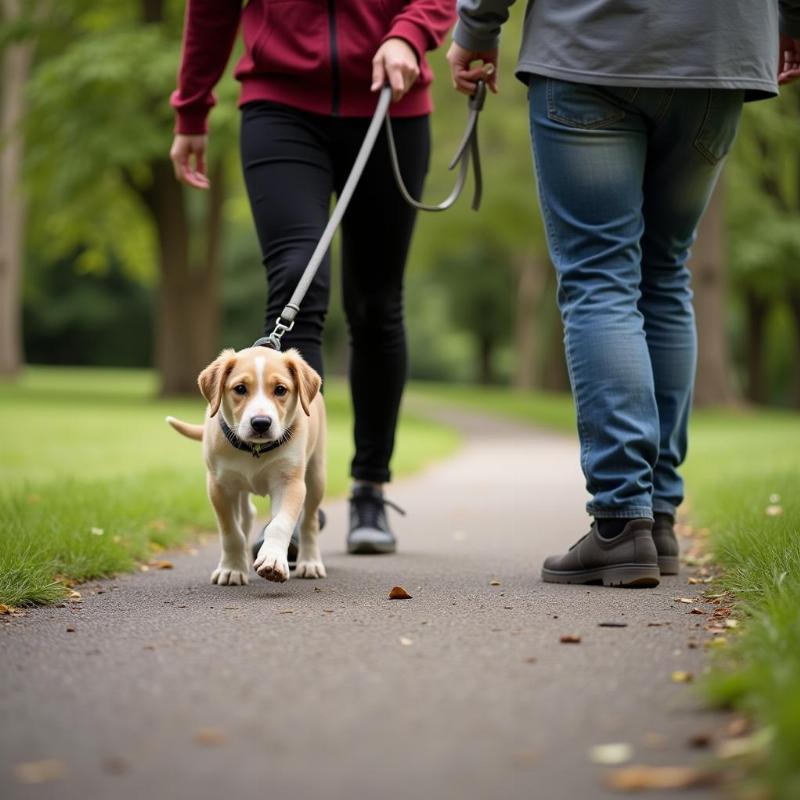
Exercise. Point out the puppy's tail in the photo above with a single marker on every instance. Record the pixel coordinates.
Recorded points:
(187, 429)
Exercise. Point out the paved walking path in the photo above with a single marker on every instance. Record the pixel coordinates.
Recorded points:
(170, 687)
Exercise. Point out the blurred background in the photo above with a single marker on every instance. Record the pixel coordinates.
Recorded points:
(105, 260)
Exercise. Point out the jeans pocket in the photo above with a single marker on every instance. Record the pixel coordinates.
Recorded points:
(719, 125)
(582, 105)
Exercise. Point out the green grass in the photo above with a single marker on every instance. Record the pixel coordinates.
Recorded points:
(94, 480)
(739, 464)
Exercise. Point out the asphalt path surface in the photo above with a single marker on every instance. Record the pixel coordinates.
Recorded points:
(170, 687)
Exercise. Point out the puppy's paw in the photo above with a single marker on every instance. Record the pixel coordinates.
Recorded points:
(310, 569)
(272, 566)
(226, 576)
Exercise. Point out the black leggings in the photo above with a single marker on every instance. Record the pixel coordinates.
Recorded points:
(293, 162)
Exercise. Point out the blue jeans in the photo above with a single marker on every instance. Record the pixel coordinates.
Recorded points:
(624, 175)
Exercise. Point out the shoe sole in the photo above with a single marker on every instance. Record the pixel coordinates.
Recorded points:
(669, 565)
(643, 576)
(371, 549)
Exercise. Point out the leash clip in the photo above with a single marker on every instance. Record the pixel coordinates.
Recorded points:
(274, 339)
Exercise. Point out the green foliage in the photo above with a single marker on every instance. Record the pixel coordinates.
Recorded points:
(111, 481)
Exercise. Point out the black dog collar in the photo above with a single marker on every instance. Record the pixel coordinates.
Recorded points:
(255, 450)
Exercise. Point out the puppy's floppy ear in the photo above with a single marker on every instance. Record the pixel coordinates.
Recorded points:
(212, 379)
(306, 379)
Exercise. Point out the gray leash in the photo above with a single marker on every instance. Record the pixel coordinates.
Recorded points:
(467, 150)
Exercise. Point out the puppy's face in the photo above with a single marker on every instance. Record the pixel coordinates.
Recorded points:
(259, 391)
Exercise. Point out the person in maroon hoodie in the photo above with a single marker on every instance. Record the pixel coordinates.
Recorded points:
(309, 77)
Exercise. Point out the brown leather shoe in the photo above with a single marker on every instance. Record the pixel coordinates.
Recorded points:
(666, 544)
(628, 559)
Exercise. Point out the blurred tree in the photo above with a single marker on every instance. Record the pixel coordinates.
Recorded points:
(709, 271)
(18, 22)
(764, 204)
(493, 265)
(99, 131)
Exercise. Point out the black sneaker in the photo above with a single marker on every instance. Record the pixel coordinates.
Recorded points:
(628, 559)
(666, 544)
(294, 542)
(369, 529)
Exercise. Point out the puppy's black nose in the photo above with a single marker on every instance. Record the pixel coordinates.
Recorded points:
(260, 424)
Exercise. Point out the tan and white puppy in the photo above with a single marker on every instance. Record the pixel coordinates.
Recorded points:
(264, 434)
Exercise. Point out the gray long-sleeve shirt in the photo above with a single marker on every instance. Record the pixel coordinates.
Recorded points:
(729, 44)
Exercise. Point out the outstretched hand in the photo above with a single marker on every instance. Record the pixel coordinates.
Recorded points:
(395, 63)
(465, 76)
(188, 156)
(789, 64)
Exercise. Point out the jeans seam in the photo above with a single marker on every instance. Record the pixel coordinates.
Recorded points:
(553, 115)
(699, 146)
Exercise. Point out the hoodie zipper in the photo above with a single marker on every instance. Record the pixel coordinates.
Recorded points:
(334, 58)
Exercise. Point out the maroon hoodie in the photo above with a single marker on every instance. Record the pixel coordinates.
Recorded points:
(315, 55)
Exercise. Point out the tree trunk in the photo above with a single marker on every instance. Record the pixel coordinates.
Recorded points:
(16, 64)
(713, 383)
(794, 308)
(485, 359)
(530, 284)
(187, 305)
(757, 309)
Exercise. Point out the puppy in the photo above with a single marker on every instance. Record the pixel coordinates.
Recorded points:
(264, 434)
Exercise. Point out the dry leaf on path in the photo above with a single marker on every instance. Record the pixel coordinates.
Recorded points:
(681, 676)
(210, 737)
(700, 740)
(399, 593)
(612, 624)
(161, 564)
(570, 638)
(687, 600)
(494, 583)
(45, 771)
(611, 754)
(697, 611)
(4, 609)
(405, 641)
(640, 777)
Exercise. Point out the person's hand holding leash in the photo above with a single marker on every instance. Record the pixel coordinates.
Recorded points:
(395, 63)
(188, 156)
(465, 77)
(789, 64)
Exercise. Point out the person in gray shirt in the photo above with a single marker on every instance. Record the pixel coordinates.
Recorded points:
(634, 105)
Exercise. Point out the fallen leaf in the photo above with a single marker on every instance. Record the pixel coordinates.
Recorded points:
(611, 754)
(116, 765)
(74, 597)
(731, 623)
(687, 600)
(405, 641)
(494, 583)
(697, 611)
(45, 771)
(700, 740)
(161, 564)
(327, 610)
(70, 629)
(680, 676)
(656, 624)
(639, 777)
(570, 638)
(738, 726)
(612, 624)
(693, 581)
(527, 759)
(399, 593)
(149, 647)
(508, 608)
(210, 737)
(530, 660)
(287, 611)
(4, 609)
